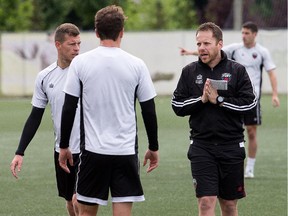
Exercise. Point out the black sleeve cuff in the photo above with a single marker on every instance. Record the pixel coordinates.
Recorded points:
(154, 146)
(19, 153)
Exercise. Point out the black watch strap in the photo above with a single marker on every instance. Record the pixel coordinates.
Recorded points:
(219, 99)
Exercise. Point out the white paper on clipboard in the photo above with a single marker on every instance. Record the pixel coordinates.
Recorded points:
(219, 84)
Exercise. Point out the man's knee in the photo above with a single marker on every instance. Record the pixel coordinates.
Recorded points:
(207, 203)
(251, 131)
(228, 207)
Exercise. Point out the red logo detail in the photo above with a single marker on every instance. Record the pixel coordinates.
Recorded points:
(254, 55)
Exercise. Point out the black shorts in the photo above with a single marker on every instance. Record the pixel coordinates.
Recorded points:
(98, 173)
(254, 117)
(218, 170)
(66, 181)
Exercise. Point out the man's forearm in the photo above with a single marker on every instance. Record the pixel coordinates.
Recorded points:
(67, 119)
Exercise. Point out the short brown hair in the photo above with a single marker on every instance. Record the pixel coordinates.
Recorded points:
(109, 21)
(215, 29)
(250, 25)
(66, 29)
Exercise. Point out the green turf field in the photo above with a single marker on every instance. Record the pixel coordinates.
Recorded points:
(168, 189)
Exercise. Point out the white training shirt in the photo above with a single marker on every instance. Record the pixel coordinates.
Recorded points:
(49, 89)
(251, 59)
(112, 79)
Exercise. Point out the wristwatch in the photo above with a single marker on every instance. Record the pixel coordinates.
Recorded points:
(219, 100)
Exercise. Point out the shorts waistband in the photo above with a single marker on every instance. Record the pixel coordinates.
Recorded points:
(216, 143)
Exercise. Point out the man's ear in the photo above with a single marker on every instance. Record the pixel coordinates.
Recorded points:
(220, 43)
(57, 44)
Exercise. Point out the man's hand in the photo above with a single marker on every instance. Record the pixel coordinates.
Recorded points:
(64, 156)
(204, 97)
(16, 163)
(183, 51)
(275, 101)
(187, 52)
(153, 156)
(210, 92)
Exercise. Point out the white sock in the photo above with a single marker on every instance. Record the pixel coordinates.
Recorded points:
(250, 164)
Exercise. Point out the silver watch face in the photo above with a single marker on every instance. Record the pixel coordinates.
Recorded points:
(220, 99)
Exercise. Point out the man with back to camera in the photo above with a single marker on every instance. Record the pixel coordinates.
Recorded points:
(107, 81)
(254, 57)
(215, 92)
(49, 89)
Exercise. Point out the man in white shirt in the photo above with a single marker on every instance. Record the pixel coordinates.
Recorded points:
(107, 81)
(49, 90)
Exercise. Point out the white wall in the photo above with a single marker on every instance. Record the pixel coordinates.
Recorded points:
(160, 51)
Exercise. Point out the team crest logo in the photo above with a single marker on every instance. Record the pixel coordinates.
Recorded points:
(51, 85)
(254, 55)
(226, 76)
(199, 79)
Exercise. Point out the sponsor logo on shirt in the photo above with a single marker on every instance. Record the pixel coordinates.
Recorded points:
(226, 76)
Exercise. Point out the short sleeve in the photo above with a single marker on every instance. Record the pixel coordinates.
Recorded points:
(146, 90)
(72, 84)
(39, 98)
